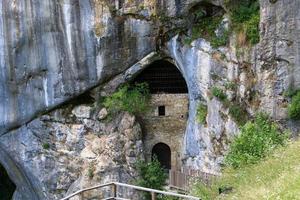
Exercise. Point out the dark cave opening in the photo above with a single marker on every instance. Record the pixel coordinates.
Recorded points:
(7, 187)
(162, 77)
(163, 154)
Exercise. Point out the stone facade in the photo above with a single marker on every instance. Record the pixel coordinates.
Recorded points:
(168, 129)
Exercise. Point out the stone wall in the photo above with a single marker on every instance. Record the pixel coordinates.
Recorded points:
(168, 129)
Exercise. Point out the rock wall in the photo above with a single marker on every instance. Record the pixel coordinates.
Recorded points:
(73, 148)
(52, 51)
(56, 50)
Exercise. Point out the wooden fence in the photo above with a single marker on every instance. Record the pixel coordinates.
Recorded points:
(183, 180)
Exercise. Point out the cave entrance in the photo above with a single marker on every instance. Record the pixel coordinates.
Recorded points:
(163, 154)
(7, 187)
(163, 77)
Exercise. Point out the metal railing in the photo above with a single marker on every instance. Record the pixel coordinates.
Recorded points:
(114, 187)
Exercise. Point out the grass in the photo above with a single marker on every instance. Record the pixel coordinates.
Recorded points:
(276, 177)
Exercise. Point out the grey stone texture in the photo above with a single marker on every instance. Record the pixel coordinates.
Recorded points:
(52, 51)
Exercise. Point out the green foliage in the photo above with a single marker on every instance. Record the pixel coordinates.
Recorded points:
(91, 170)
(290, 92)
(256, 140)
(252, 29)
(205, 28)
(238, 113)
(152, 175)
(134, 100)
(46, 146)
(201, 113)
(217, 92)
(230, 85)
(294, 107)
(245, 18)
(275, 177)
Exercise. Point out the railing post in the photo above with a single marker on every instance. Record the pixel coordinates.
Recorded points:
(153, 196)
(81, 196)
(114, 190)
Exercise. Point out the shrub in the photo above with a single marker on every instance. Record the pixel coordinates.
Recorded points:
(206, 27)
(217, 92)
(201, 113)
(239, 114)
(230, 85)
(90, 172)
(152, 175)
(245, 17)
(256, 140)
(134, 100)
(294, 107)
(46, 146)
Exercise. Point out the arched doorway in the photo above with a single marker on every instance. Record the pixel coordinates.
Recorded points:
(7, 187)
(163, 154)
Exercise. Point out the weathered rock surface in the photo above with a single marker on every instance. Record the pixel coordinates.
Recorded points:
(52, 51)
(60, 157)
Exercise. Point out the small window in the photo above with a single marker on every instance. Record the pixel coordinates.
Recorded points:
(161, 110)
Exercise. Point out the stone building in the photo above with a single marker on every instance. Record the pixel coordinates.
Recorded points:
(164, 125)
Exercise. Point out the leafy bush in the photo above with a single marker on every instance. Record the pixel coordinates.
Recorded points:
(201, 113)
(239, 114)
(205, 28)
(230, 85)
(46, 146)
(217, 92)
(152, 175)
(256, 140)
(294, 107)
(245, 18)
(134, 100)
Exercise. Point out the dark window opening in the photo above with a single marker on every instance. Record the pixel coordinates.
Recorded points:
(7, 187)
(163, 154)
(162, 77)
(161, 110)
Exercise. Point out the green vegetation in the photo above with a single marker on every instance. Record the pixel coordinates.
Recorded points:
(230, 85)
(257, 139)
(90, 172)
(134, 100)
(245, 17)
(152, 175)
(219, 93)
(206, 28)
(294, 107)
(276, 177)
(238, 113)
(46, 146)
(201, 113)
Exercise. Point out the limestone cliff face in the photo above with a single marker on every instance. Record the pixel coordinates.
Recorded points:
(52, 51)
(72, 148)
